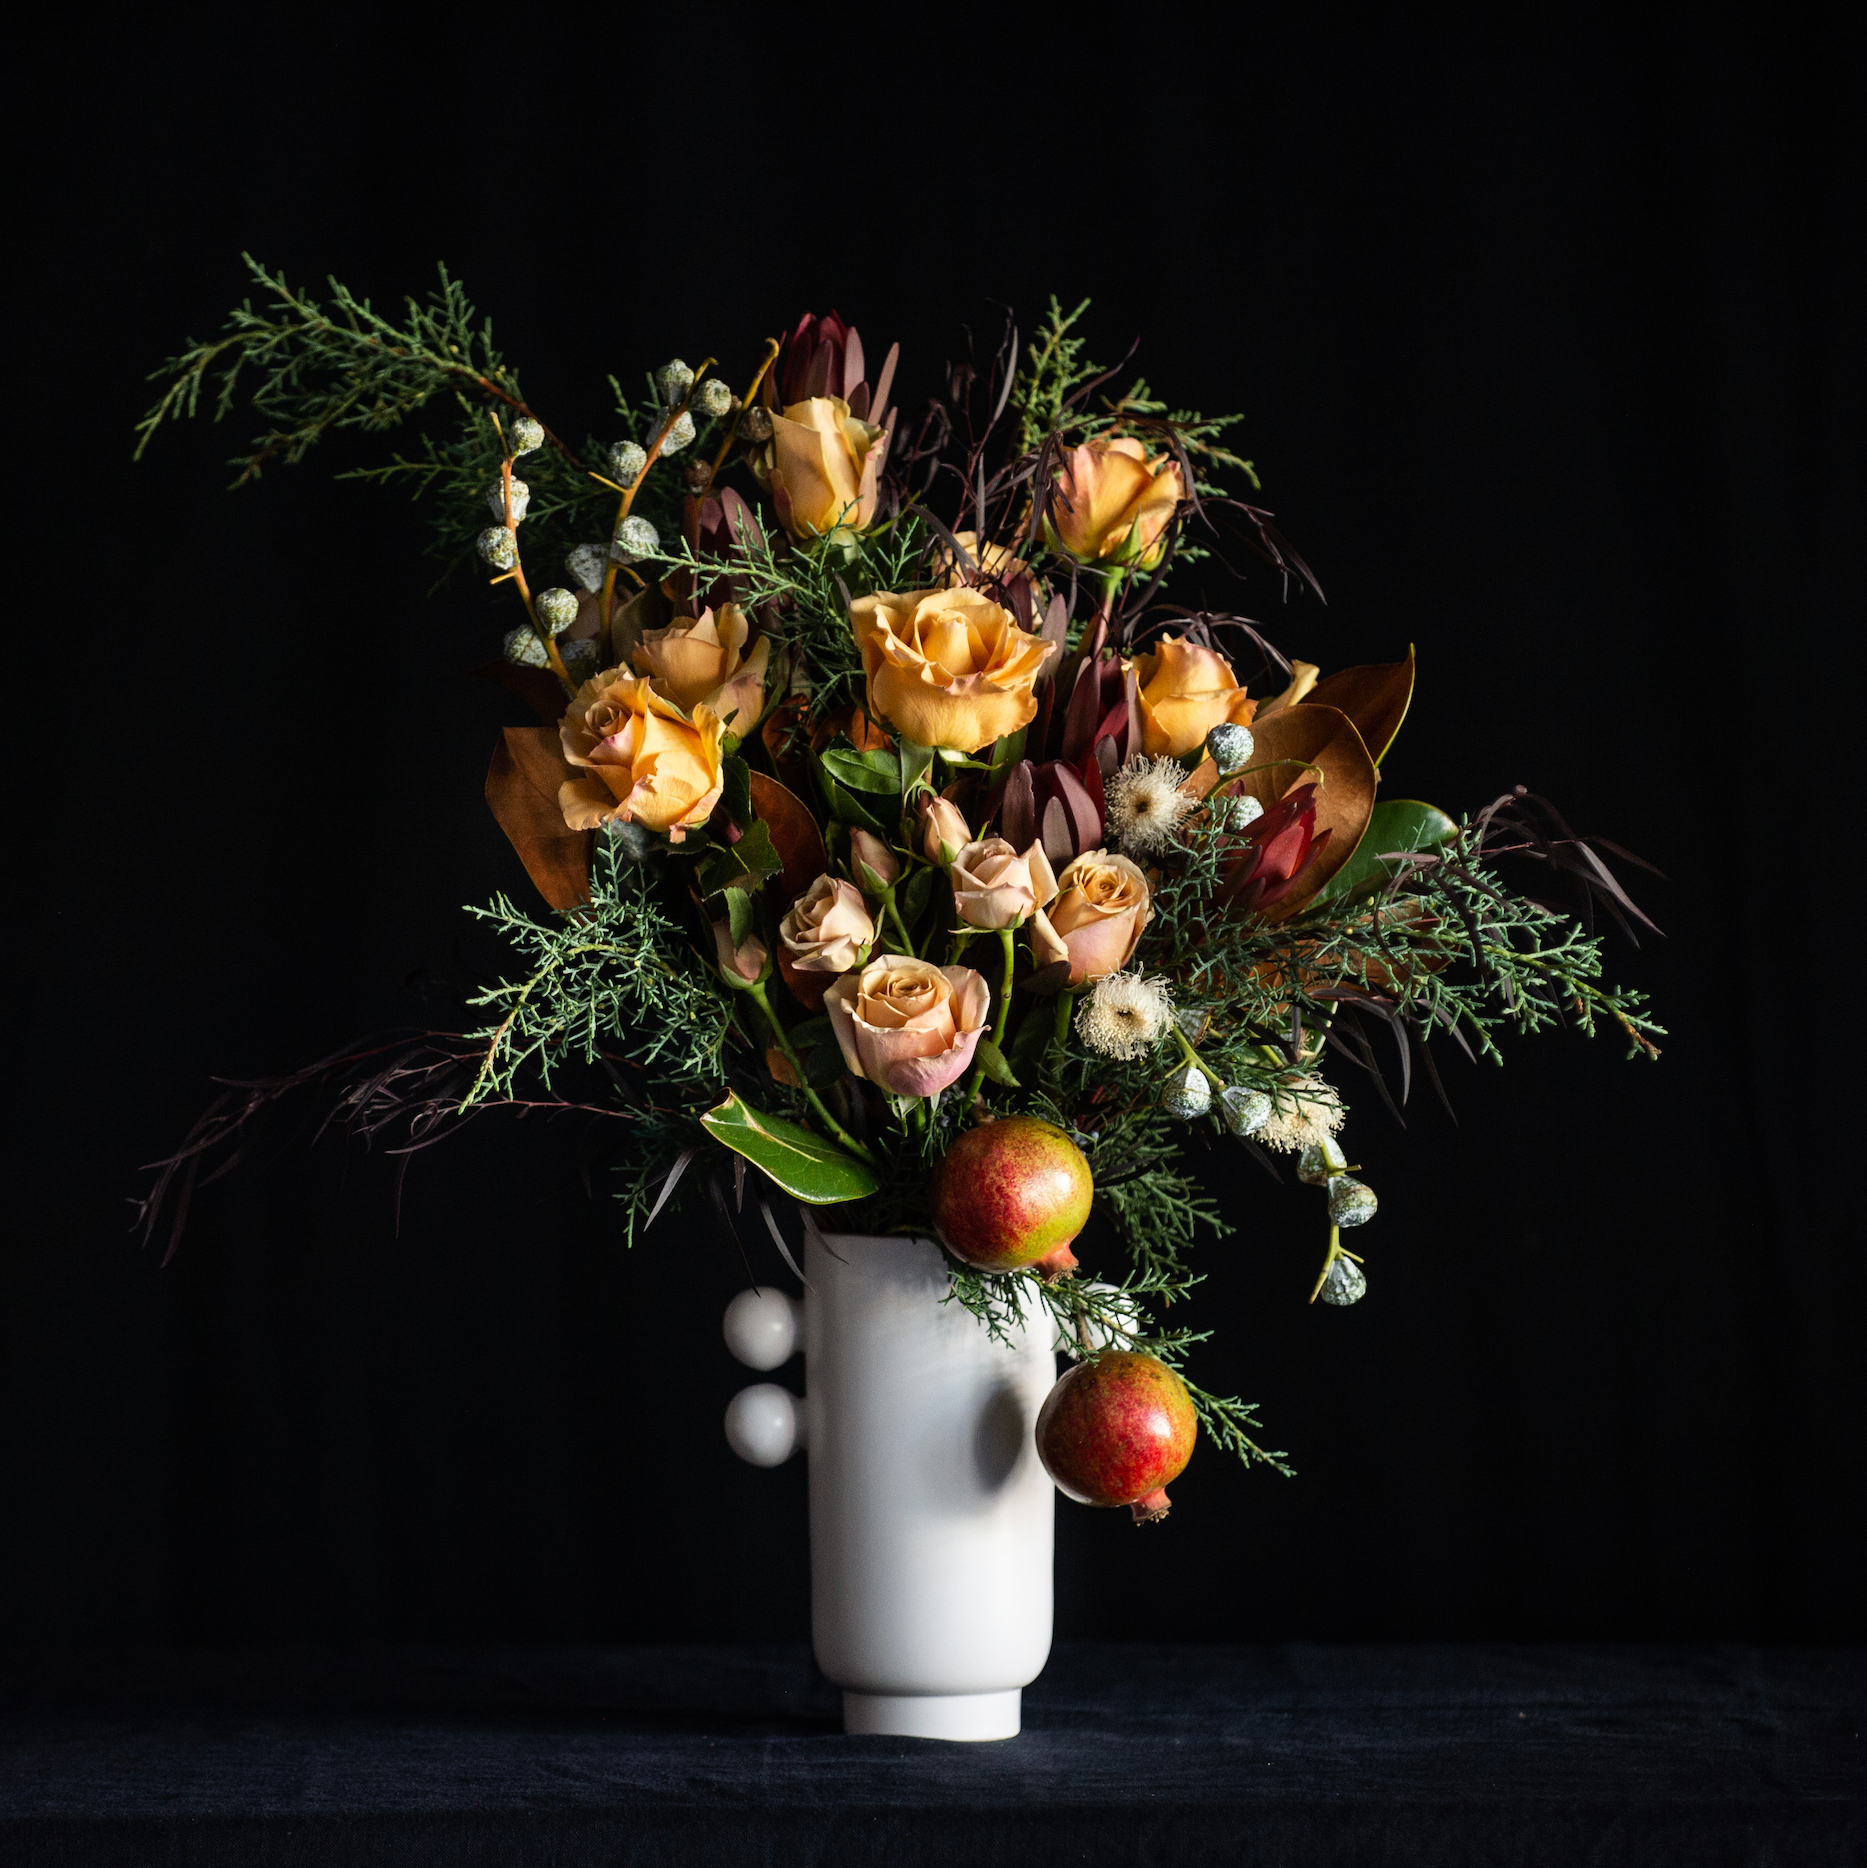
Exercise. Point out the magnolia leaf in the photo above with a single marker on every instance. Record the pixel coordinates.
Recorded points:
(794, 834)
(806, 1166)
(1375, 697)
(522, 789)
(1397, 824)
(1313, 744)
(993, 1059)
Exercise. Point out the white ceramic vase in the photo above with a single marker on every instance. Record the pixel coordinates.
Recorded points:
(931, 1517)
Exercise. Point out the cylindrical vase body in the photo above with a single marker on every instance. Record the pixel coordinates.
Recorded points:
(931, 1516)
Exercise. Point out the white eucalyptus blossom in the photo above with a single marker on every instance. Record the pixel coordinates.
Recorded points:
(1345, 1284)
(587, 564)
(1125, 1016)
(523, 647)
(496, 546)
(496, 498)
(1186, 1093)
(1145, 802)
(626, 460)
(528, 435)
(1308, 1111)
(557, 609)
(635, 538)
(714, 398)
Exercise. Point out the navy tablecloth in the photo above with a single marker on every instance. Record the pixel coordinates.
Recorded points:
(1130, 1754)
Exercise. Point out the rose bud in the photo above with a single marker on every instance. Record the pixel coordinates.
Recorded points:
(744, 965)
(947, 667)
(873, 860)
(699, 661)
(944, 833)
(1184, 692)
(908, 1025)
(994, 887)
(642, 759)
(822, 465)
(828, 928)
(1101, 907)
(1113, 503)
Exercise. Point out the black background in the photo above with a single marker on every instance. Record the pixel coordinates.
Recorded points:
(1548, 345)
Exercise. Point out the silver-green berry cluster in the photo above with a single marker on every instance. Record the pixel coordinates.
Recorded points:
(1344, 1283)
(713, 397)
(496, 546)
(1244, 1111)
(528, 435)
(587, 564)
(522, 646)
(581, 658)
(679, 435)
(1230, 747)
(1241, 812)
(635, 538)
(1322, 1164)
(672, 382)
(557, 610)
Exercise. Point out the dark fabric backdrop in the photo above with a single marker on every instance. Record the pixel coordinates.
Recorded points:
(1550, 347)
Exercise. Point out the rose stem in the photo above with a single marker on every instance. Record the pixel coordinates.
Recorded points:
(1065, 1002)
(629, 492)
(1004, 1012)
(1198, 1063)
(757, 995)
(901, 927)
(739, 415)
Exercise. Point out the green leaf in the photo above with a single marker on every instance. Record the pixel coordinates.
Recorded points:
(845, 806)
(1007, 752)
(736, 778)
(913, 900)
(1397, 824)
(876, 772)
(996, 1068)
(1033, 1035)
(916, 763)
(739, 915)
(806, 1166)
(745, 865)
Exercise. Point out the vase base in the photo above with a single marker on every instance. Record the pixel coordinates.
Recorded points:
(965, 1716)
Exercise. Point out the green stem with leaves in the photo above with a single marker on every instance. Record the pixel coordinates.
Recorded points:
(757, 995)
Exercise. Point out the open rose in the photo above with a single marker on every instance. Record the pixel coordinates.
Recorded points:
(947, 667)
(1097, 918)
(994, 887)
(700, 662)
(1184, 692)
(828, 928)
(822, 464)
(1113, 503)
(908, 1025)
(643, 760)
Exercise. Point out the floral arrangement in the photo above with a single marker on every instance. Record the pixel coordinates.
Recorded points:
(899, 838)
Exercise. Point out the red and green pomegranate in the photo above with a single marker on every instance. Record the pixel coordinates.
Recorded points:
(1116, 1430)
(1011, 1194)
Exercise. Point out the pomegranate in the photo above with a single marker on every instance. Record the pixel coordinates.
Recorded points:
(1115, 1430)
(1012, 1193)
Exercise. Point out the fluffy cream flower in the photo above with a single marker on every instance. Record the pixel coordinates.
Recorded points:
(1308, 1112)
(1145, 802)
(1126, 1015)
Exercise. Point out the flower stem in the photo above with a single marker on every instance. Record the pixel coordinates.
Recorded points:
(1194, 1058)
(901, 927)
(758, 998)
(1065, 1004)
(1004, 1013)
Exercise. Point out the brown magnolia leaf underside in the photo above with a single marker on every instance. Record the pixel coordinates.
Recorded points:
(799, 843)
(1374, 696)
(522, 788)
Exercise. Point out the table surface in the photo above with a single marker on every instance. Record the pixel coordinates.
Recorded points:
(1514, 1755)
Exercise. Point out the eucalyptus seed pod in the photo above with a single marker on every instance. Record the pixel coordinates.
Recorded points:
(496, 546)
(679, 435)
(557, 610)
(1230, 747)
(581, 658)
(696, 476)
(587, 564)
(1350, 1203)
(632, 843)
(1244, 1111)
(1186, 1093)
(635, 538)
(671, 382)
(522, 646)
(1244, 811)
(496, 498)
(713, 398)
(1195, 1021)
(1320, 1162)
(626, 460)
(755, 426)
(527, 435)
(1346, 1283)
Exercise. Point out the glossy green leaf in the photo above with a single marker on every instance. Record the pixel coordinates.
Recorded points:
(744, 865)
(1397, 824)
(993, 1059)
(806, 1166)
(876, 772)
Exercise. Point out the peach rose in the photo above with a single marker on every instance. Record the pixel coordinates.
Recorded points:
(743, 965)
(943, 832)
(908, 1025)
(947, 667)
(872, 859)
(994, 887)
(1185, 691)
(1114, 503)
(1096, 922)
(700, 662)
(643, 760)
(822, 465)
(828, 929)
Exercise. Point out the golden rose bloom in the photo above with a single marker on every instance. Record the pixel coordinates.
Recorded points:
(1113, 503)
(700, 662)
(1185, 691)
(994, 887)
(822, 465)
(828, 929)
(1096, 921)
(907, 1024)
(947, 667)
(644, 761)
